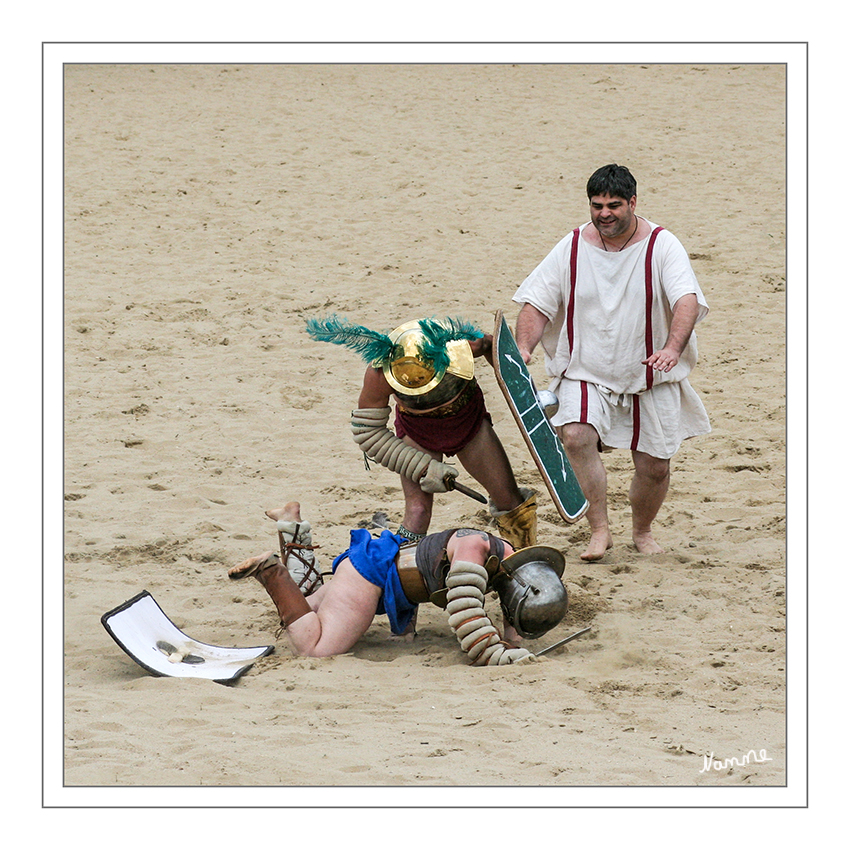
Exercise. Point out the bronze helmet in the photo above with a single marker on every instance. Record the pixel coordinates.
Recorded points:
(412, 374)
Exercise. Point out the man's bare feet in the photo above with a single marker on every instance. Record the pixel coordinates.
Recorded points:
(645, 543)
(600, 542)
(290, 512)
(253, 565)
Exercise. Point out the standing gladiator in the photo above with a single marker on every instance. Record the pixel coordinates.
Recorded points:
(427, 366)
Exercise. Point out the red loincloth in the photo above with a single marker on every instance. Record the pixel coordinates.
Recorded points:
(447, 434)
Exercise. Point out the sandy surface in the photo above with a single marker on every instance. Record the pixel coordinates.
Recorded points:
(209, 212)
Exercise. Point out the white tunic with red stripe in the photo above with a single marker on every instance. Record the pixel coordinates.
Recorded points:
(607, 312)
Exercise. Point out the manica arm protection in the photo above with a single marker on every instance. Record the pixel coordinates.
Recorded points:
(377, 442)
(478, 638)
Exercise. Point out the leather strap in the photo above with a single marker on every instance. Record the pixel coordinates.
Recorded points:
(294, 549)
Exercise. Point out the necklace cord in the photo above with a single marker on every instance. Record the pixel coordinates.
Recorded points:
(602, 238)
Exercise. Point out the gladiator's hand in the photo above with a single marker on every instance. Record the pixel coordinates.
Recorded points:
(483, 347)
(434, 479)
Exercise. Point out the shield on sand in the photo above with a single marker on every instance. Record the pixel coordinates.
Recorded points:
(544, 444)
(140, 627)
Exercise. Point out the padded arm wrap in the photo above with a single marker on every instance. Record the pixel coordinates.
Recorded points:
(369, 429)
(478, 638)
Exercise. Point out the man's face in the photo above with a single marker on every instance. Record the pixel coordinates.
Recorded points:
(612, 216)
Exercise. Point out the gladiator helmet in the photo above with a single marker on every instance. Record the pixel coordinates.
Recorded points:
(415, 368)
(533, 597)
(415, 357)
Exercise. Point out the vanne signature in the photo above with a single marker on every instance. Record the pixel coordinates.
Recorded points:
(709, 762)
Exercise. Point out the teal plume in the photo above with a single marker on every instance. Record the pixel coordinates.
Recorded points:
(436, 335)
(372, 346)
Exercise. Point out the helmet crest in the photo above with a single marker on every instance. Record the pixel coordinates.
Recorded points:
(372, 346)
(437, 335)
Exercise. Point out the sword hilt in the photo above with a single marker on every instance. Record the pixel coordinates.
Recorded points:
(451, 484)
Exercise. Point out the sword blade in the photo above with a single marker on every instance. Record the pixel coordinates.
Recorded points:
(562, 642)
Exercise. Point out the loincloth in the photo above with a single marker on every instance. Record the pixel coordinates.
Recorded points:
(374, 559)
(447, 434)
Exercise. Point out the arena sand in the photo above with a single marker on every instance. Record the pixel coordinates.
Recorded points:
(210, 210)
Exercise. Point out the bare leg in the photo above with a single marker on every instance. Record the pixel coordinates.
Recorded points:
(485, 459)
(314, 600)
(646, 495)
(418, 505)
(328, 622)
(347, 609)
(581, 445)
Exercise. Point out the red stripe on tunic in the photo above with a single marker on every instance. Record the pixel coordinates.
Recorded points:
(571, 306)
(635, 421)
(648, 289)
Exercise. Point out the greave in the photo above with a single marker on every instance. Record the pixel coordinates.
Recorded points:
(285, 593)
(518, 526)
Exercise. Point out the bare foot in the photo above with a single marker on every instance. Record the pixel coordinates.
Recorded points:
(253, 565)
(600, 542)
(645, 543)
(290, 512)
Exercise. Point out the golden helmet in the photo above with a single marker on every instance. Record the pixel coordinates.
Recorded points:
(410, 372)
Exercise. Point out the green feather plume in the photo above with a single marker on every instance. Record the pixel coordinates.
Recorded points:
(372, 346)
(436, 335)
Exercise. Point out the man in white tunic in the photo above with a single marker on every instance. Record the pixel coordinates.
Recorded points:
(614, 305)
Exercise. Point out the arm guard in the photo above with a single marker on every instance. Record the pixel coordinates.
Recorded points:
(472, 627)
(377, 442)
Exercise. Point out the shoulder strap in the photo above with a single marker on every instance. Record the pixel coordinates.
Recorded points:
(649, 294)
(571, 304)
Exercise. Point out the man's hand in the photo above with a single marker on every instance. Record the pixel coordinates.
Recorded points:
(510, 635)
(685, 312)
(530, 324)
(663, 360)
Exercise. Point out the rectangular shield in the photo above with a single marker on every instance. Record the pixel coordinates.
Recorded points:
(544, 444)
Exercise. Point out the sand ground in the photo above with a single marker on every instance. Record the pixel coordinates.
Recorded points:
(210, 210)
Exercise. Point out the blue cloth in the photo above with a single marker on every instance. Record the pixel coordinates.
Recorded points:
(374, 558)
